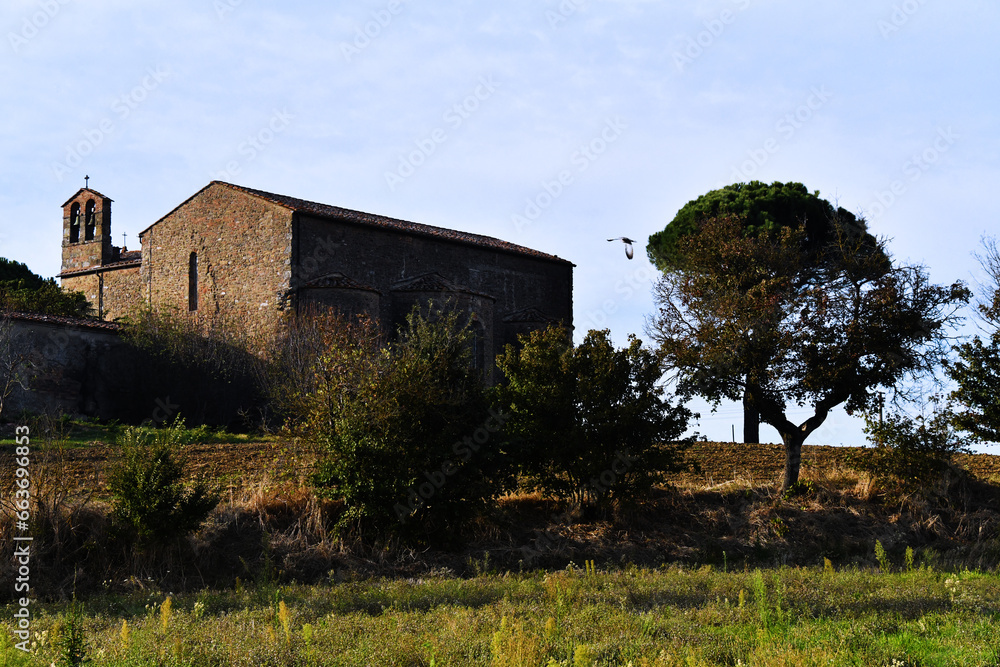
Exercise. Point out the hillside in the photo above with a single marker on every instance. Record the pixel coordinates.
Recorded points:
(726, 514)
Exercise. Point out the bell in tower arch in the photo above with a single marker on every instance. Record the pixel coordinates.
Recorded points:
(87, 231)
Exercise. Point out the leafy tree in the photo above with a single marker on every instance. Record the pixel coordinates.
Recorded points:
(591, 422)
(405, 429)
(762, 208)
(25, 292)
(753, 315)
(977, 370)
(11, 271)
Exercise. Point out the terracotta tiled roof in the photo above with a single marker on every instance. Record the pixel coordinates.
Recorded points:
(433, 282)
(124, 264)
(81, 322)
(337, 213)
(530, 315)
(338, 281)
(130, 255)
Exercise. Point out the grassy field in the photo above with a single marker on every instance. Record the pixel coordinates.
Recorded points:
(716, 568)
(575, 616)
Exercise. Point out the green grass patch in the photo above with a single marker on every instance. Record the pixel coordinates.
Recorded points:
(668, 616)
(68, 432)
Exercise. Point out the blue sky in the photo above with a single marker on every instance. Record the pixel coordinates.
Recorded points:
(550, 124)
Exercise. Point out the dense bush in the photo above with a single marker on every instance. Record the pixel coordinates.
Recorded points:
(404, 429)
(151, 503)
(589, 423)
(911, 453)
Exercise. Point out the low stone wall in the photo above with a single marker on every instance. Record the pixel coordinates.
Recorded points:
(86, 368)
(74, 367)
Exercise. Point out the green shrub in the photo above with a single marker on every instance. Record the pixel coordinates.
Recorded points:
(589, 423)
(150, 500)
(910, 452)
(404, 429)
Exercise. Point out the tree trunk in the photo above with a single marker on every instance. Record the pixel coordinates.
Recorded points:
(751, 420)
(793, 458)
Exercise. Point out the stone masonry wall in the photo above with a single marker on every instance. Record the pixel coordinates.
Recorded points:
(86, 254)
(77, 369)
(380, 258)
(243, 246)
(112, 293)
(122, 292)
(89, 284)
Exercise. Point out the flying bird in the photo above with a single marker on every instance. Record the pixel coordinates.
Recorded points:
(628, 244)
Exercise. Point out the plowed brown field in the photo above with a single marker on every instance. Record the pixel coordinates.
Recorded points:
(238, 463)
(761, 464)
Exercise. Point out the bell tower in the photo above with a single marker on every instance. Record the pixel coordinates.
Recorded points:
(87, 231)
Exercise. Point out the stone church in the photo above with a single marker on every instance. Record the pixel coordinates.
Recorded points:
(254, 257)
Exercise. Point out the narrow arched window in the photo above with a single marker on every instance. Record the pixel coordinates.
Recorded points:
(193, 282)
(90, 221)
(478, 345)
(74, 223)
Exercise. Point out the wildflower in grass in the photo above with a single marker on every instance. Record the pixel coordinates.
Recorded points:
(883, 559)
(165, 610)
(307, 634)
(827, 565)
(550, 629)
(126, 634)
(583, 656)
(909, 559)
(199, 609)
(512, 646)
(286, 621)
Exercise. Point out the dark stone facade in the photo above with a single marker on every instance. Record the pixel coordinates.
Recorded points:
(252, 257)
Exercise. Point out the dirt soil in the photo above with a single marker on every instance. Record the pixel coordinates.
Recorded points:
(234, 464)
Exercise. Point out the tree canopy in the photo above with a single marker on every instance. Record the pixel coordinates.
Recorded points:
(757, 316)
(761, 208)
(590, 423)
(976, 372)
(23, 291)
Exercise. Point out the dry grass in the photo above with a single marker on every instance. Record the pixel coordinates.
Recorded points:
(270, 527)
